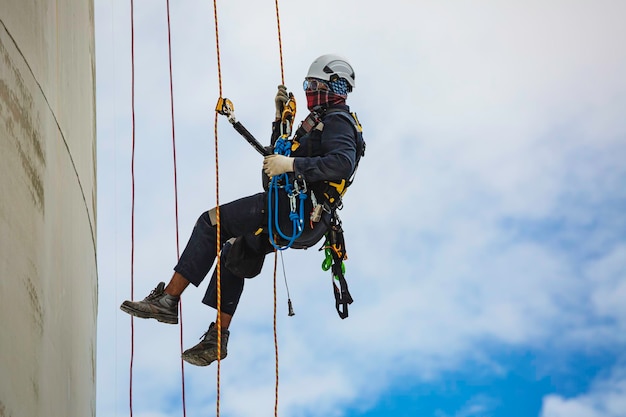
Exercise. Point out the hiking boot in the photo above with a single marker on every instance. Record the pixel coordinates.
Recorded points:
(158, 305)
(205, 352)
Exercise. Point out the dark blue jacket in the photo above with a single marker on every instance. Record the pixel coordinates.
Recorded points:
(329, 154)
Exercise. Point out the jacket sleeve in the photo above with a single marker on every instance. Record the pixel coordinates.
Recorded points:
(338, 153)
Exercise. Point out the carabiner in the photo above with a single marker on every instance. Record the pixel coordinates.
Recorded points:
(328, 260)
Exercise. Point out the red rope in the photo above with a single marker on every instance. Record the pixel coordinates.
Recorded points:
(169, 45)
(180, 303)
(132, 262)
(132, 217)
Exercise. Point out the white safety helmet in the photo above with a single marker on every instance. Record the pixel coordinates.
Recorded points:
(330, 68)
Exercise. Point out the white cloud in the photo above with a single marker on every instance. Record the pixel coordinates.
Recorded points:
(609, 278)
(479, 405)
(475, 116)
(606, 398)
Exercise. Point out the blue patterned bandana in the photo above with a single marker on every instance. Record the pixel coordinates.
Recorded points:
(339, 87)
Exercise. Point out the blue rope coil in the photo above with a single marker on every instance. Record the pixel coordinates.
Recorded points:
(283, 147)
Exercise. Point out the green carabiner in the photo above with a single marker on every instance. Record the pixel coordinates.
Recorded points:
(328, 261)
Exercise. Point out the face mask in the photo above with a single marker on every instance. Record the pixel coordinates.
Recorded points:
(323, 98)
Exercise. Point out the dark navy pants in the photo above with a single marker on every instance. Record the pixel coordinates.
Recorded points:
(242, 217)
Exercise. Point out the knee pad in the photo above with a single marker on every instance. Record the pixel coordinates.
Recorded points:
(213, 216)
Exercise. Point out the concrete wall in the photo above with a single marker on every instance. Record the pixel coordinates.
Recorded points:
(48, 281)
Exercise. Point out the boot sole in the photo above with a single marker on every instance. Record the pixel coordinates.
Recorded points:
(198, 360)
(145, 315)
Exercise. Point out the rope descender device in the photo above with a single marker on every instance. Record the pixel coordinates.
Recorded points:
(226, 108)
(287, 116)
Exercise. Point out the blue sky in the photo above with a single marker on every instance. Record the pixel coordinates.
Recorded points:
(486, 231)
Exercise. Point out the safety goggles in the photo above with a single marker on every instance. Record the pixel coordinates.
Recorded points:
(314, 85)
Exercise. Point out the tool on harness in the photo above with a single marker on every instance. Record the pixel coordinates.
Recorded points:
(335, 251)
(316, 213)
(226, 108)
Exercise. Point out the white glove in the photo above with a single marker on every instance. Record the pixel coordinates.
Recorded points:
(280, 100)
(277, 164)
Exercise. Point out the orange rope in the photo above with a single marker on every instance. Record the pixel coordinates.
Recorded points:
(217, 213)
(218, 266)
(282, 78)
(280, 45)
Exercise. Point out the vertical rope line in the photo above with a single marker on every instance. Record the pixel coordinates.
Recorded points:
(180, 303)
(169, 41)
(217, 214)
(132, 216)
(275, 338)
(282, 78)
(280, 44)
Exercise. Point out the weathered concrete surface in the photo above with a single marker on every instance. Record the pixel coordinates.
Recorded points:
(48, 281)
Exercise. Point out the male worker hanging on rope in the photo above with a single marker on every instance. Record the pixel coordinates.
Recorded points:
(323, 157)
